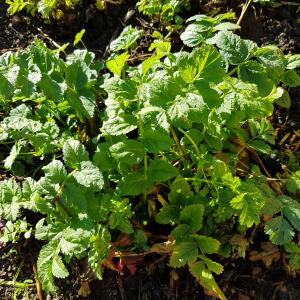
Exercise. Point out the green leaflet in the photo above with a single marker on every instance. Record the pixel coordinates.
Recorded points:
(127, 39)
(89, 176)
(161, 170)
(163, 10)
(168, 214)
(55, 171)
(128, 152)
(134, 184)
(74, 153)
(206, 279)
(233, 49)
(294, 254)
(11, 199)
(184, 253)
(207, 245)
(192, 215)
(117, 64)
(282, 228)
(50, 264)
(205, 27)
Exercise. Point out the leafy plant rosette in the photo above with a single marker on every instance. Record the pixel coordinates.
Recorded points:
(163, 142)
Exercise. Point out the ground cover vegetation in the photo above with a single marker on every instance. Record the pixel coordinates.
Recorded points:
(103, 152)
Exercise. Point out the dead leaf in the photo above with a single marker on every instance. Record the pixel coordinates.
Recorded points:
(163, 248)
(268, 255)
(84, 290)
(240, 244)
(256, 271)
(124, 240)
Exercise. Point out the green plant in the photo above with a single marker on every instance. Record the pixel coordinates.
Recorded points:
(205, 27)
(127, 39)
(160, 142)
(47, 8)
(266, 2)
(163, 11)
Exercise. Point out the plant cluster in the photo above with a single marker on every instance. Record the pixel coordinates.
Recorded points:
(174, 141)
(48, 8)
(164, 11)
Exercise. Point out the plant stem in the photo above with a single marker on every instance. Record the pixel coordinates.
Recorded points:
(289, 3)
(191, 140)
(145, 173)
(232, 71)
(180, 149)
(16, 284)
(245, 7)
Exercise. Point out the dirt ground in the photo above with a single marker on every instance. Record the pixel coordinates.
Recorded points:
(243, 279)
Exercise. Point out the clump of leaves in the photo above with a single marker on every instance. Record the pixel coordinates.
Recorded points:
(204, 27)
(266, 2)
(164, 11)
(160, 142)
(48, 8)
(127, 39)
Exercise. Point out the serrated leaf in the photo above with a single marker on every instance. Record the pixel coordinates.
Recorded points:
(119, 88)
(74, 153)
(161, 170)
(192, 215)
(212, 265)
(119, 218)
(232, 48)
(83, 102)
(254, 72)
(55, 171)
(120, 125)
(102, 157)
(52, 88)
(249, 207)
(134, 184)
(206, 279)
(58, 268)
(186, 110)
(279, 230)
(260, 146)
(99, 250)
(293, 215)
(195, 33)
(128, 152)
(89, 175)
(44, 266)
(284, 99)
(224, 26)
(126, 39)
(207, 244)
(293, 184)
(156, 141)
(155, 118)
(291, 78)
(117, 64)
(14, 153)
(272, 58)
(184, 253)
(182, 233)
(292, 61)
(168, 214)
